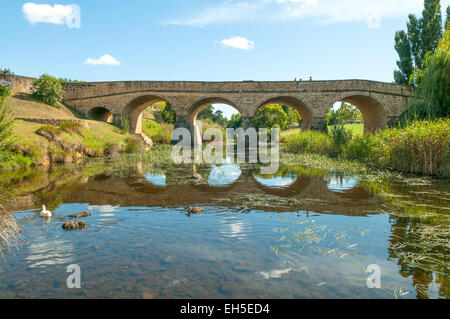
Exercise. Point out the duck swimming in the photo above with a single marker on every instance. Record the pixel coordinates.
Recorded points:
(195, 210)
(45, 212)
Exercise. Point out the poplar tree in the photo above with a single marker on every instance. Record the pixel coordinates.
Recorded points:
(423, 35)
(405, 64)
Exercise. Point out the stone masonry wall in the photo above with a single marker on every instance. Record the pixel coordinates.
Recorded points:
(19, 83)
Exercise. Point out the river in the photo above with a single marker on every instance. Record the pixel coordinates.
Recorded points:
(299, 233)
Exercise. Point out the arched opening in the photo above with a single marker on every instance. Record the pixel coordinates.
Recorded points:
(153, 116)
(298, 114)
(213, 112)
(358, 113)
(100, 114)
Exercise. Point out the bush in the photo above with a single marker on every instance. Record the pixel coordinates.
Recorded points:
(360, 148)
(311, 142)
(134, 145)
(341, 137)
(168, 114)
(124, 124)
(71, 128)
(423, 147)
(6, 117)
(160, 133)
(48, 90)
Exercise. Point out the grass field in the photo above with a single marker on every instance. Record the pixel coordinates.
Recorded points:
(356, 129)
(22, 105)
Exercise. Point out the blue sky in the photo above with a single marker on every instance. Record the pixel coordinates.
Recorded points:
(207, 40)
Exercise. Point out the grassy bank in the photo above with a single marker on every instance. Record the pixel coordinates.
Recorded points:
(160, 133)
(37, 144)
(421, 148)
(355, 129)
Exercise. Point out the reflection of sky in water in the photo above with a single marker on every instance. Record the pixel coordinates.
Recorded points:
(233, 227)
(276, 182)
(338, 184)
(156, 179)
(224, 175)
(104, 210)
(49, 253)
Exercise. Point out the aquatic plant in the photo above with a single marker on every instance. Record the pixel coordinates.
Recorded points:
(9, 229)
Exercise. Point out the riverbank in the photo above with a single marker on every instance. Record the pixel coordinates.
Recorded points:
(421, 148)
(43, 135)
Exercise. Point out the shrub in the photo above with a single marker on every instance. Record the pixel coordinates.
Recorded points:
(134, 145)
(48, 90)
(163, 135)
(360, 148)
(341, 137)
(309, 142)
(6, 117)
(160, 133)
(423, 147)
(49, 132)
(168, 114)
(207, 124)
(123, 124)
(71, 128)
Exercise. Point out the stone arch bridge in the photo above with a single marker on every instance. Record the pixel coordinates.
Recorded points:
(380, 103)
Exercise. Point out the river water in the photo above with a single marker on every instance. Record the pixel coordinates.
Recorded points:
(300, 233)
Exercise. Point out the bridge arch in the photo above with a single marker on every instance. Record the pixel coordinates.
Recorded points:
(304, 111)
(200, 105)
(100, 114)
(373, 112)
(136, 108)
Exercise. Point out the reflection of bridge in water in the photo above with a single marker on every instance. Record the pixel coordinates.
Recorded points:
(312, 190)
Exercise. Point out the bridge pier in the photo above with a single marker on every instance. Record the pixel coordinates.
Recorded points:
(182, 122)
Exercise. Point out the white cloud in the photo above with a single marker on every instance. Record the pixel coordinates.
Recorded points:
(228, 11)
(56, 14)
(370, 12)
(103, 60)
(238, 43)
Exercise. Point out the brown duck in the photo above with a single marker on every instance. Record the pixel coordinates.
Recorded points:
(195, 210)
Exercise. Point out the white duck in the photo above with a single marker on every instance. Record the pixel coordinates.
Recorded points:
(45, 212)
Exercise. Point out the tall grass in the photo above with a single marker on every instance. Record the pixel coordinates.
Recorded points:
(160, 133)
(423, 147)
(311, 142)
(9, 229)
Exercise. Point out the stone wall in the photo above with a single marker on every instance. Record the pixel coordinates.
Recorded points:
(54, 122)
(19, 83)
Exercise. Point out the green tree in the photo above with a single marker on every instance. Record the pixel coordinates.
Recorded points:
(431, 97)
(431, 26)
(447, 20)
(405, 65)
(293, 117)
(6, 116)
(414, 40)
(423, 36)
(48, 90)
(219, 118)
(235, 122)
(168, 114)
(270, 116)
(206, 114)
(346, 113)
